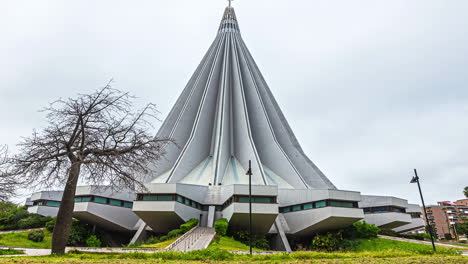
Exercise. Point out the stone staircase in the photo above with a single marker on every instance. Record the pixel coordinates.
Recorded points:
(197, 238)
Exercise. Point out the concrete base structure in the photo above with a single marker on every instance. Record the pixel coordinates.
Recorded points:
(385, 212)
(417, 222)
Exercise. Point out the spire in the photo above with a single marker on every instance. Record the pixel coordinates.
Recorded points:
(226, 116)
(229, 21)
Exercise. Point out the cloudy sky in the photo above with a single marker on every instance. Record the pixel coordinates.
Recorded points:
(372, 89)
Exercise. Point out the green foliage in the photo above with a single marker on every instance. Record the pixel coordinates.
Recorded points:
(93, 241)
(448, 236)
(462, 228)
(10, 251)
(36, 236)
(361, 230)
(13, 217)
(465, 191)
(381, 245)
(51, 224)
(189, 225)
(327, 242)
(164, 238)
(258, 241)
(79, 233)
(229, 243)
(174, 233)
(221, 226)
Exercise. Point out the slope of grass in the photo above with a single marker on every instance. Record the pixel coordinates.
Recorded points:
(387, 245)
(21, 240)
(160, 245)
(10, 251)
(229, 243)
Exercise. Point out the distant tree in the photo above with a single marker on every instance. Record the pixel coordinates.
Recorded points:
(465, 191)
(95, 138)
(8, 183)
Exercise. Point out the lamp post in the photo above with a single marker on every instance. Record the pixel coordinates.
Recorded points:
(249, 172)
(415, 179)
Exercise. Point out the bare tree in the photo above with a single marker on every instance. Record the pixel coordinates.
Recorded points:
(95, 138)
(8, 182)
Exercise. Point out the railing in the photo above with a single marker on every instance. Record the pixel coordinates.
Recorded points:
(185, 242)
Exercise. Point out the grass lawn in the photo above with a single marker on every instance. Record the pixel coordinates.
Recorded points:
(222, 256)
(21, 240)
(10, 251)
(160, 245)
(381, 244)
(229, 243)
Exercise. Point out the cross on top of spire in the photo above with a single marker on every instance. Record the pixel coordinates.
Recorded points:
(230, 2)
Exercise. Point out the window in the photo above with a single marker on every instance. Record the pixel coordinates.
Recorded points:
(127, 204)
(115, 202)
(165, 197)
(102, 200)
(244, 199)
(52, 203)
(296, 208)
(263, 199)
(287, 209)
(320, 204)
(308, 206)
(341, 204)
(180, 199)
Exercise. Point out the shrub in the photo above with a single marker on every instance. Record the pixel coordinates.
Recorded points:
(327, 242)
(163, 238)
(79, 233)
(36, 236)
(448, 236)
(361, 230)
(51, 224)
(152, 240)
(174, 233)
(258, 241)
(33, 221)
(13, 217)
(189, 225)
(221, 226)
(93, 241)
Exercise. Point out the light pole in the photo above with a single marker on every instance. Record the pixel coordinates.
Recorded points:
(249, 172)
(415, 179)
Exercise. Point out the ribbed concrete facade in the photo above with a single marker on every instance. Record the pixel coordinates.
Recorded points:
(226, 116)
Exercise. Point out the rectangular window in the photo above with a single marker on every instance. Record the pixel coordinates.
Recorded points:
(341, 204)
(296, 208)
(127, 204)
(187, 202)
(320, 204)
(86, 198)
(180, 199)
(262, 199)
(78, 199)
(165, 197)
(102, 200)
(308, 206)
(149, 197)
(287, 209)
(244, 199)
(115, 202)
(53, 203)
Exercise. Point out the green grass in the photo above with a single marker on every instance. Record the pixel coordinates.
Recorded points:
(387, 245)
(10, 251)
(21, 240)
(229, 243)
(160, 245)
(223, 256)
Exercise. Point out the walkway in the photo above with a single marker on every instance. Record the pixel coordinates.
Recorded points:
(198, 238)
(422, 242)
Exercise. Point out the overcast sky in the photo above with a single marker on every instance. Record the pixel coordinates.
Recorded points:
(372, 89)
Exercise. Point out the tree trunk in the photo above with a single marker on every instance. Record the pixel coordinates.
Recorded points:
(65, 214)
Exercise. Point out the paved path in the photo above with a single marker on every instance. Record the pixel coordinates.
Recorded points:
(20, 231)
(422, 242)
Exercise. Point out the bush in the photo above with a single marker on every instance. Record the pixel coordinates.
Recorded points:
(79, 233)
(327, 242)
(13, 217)
(174, 233)
(36, 236)
(258, 241)
(163, 238)
(33, 221)
(189, 225)
(51, 224)
(93, 241)
(221, 226)
(361, 230)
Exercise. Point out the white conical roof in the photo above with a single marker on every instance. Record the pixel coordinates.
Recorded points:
(226, 116)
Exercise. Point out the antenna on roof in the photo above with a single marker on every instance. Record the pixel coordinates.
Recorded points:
(230, 2)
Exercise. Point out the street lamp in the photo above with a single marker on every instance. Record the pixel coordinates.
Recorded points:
(415, 179)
